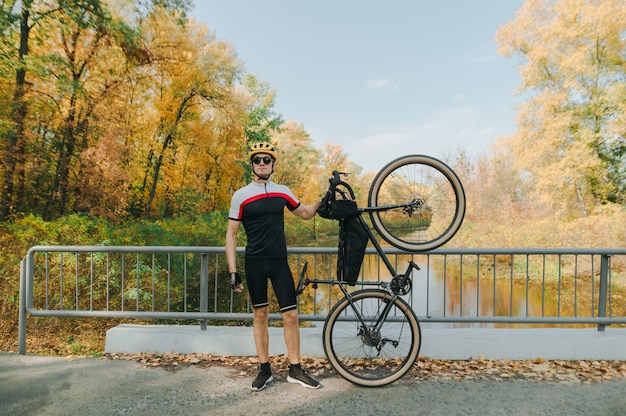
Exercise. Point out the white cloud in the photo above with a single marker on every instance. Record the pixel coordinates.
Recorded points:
(381, 84)
(376, 84)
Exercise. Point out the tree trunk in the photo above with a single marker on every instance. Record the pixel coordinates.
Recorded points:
(155, 176)
(14, 146)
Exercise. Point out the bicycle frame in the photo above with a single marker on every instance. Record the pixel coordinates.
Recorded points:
(379, 251)
(376, 244)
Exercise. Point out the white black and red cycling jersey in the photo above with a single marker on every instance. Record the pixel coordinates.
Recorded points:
(260, 207)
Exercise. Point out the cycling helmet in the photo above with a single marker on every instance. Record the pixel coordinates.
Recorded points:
(262, 147)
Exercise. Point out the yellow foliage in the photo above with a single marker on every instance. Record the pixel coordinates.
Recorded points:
(571, 127)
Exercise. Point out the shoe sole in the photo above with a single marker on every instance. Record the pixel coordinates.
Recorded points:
(264, 385)
(303, 384)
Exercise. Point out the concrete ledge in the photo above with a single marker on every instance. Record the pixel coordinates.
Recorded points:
(216, 340)
(437, 343)
(523, 344)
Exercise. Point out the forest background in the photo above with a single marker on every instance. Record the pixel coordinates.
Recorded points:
(124, 122)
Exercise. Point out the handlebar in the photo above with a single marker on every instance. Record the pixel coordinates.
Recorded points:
(334, 181)
(336, 178)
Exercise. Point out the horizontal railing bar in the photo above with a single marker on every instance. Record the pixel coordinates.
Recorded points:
(329, 250)
(309, 317)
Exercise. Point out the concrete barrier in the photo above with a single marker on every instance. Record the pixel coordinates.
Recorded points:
(437, 343)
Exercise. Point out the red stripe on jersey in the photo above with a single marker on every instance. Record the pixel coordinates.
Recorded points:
(290, 201)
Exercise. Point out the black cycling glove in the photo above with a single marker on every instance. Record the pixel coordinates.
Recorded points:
(324, 209)
(235, 280)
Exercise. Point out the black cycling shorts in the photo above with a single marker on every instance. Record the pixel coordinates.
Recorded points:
(261, 269)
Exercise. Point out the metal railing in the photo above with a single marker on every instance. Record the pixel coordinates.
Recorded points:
(455, 287)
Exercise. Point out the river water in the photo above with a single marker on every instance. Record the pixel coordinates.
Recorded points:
(483, 290)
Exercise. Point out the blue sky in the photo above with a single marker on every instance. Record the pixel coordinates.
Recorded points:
(380, 78)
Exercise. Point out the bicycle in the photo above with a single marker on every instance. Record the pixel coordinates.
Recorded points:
(372, 336)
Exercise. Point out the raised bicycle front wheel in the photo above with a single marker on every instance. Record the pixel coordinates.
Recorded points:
(433, 219)
(364, 353)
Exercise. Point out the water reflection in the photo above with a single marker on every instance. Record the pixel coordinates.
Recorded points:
(472, 286)
(452, 286)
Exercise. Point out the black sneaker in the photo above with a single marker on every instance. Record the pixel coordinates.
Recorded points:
(298, 376)
(261, 381)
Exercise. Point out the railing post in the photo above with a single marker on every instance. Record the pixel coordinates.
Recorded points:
(204, 287)
(604, 283)
(21, 348)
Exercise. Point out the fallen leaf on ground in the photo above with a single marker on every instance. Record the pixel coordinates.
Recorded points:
(559, 371)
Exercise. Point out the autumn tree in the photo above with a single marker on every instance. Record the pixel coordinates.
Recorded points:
(206, 111)
(79, 57)
(193, 83)
(261, 121)
(297, 160)
(492, 184)
(571, 128)
(116, 108)
(69, 56)
(123, 109)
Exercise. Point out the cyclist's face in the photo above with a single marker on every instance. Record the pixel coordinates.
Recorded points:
(262, 163)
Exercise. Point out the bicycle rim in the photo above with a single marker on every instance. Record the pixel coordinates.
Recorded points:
(377, 359)
(435, 221)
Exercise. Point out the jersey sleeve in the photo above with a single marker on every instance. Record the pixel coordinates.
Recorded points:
(292, 201)
(235, 212)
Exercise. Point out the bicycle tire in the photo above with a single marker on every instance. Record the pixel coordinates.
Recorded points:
(350, 351)
(436, 221)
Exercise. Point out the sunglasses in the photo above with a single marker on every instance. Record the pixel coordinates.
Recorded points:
(257, 160)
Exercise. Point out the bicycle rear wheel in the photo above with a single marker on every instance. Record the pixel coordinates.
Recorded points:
(442, 203)
(364, 353)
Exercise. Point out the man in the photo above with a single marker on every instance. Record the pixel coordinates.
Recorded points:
(260, 207)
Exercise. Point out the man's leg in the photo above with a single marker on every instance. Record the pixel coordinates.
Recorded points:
(261, 333)
(286, 295)
(292, 339)
(261, 341)
(292, 335)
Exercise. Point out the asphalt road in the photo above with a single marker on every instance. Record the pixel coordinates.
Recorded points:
(38, 386)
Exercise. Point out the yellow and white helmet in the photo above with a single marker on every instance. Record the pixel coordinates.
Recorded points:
(262, 147)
